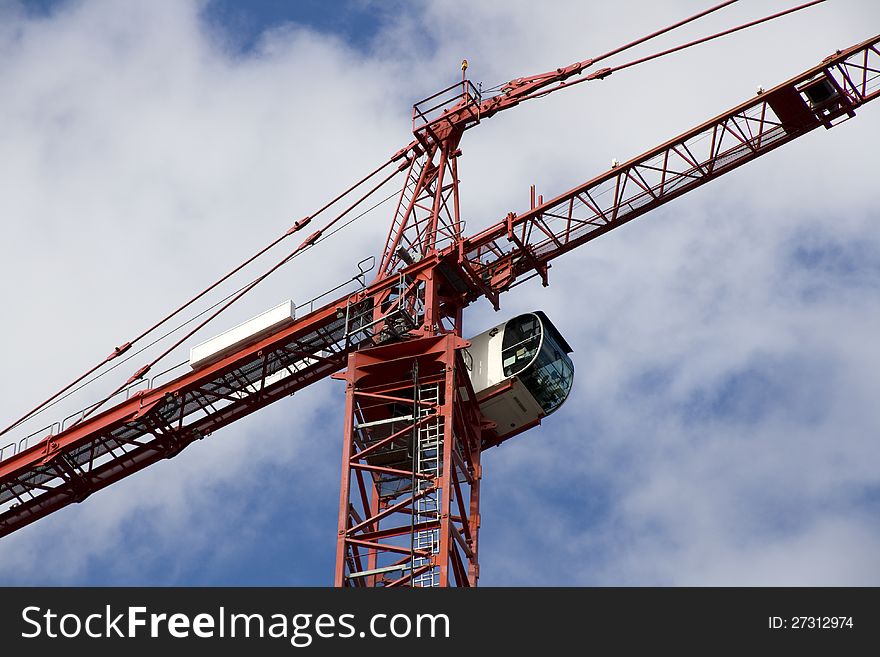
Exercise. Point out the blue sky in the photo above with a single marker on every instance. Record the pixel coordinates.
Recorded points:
(722, 428)
(354, 21)
(243, 23)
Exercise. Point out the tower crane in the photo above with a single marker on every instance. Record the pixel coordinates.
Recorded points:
(422, 402)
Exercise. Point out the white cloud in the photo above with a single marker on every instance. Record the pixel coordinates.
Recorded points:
(722, 427)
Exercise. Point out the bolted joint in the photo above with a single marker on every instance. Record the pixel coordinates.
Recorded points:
(310, 240)
(399, 154)
(139, 374)
(121, 349)
(298, 225)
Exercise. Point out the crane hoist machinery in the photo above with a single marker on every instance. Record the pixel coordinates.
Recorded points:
(422, 403)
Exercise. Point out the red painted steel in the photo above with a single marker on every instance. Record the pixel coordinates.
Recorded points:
(409, 500)
(499, 255)
(296, 227)
(400, 337)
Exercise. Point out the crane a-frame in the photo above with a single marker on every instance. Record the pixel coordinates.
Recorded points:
(414, 431)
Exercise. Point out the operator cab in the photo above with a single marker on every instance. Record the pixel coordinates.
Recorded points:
(521, 372)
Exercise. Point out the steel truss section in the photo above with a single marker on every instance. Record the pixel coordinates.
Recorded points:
(427, 218)
(156, 424)
(825, 95)
(409, 501)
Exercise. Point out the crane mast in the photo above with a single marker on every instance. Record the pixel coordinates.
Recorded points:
(413, 431)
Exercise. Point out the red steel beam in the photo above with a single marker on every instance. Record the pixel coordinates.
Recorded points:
(500, 254)
(157, 423)
(122, 439)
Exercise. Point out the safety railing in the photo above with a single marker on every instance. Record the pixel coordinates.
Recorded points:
(431, 114)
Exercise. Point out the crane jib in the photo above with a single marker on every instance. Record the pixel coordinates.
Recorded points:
(822, 96)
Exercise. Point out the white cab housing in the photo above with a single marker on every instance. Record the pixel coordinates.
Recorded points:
(520, 371)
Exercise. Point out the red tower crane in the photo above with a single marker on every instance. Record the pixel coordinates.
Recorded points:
(415, 422)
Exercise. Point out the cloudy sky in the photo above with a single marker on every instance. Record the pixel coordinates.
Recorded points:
(723, 427)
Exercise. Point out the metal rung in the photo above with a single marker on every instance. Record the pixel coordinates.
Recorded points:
(378, 571)
(400, 418)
